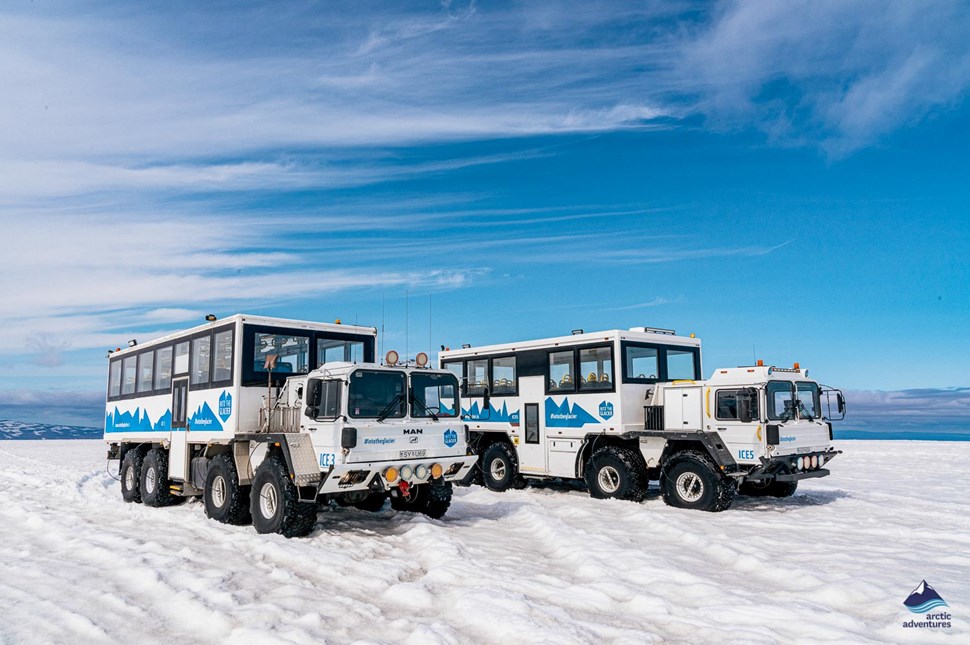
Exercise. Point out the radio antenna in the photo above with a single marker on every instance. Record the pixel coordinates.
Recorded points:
(430, 344)
(382, 327)
(407, 324)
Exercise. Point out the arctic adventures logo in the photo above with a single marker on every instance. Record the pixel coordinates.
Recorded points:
(923, 600)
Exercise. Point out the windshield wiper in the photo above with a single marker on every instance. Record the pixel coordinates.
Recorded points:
(390, 406)
(424, 407)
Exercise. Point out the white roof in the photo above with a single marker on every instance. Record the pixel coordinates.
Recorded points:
(611, 335)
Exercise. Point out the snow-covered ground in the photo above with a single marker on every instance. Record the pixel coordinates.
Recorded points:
(546, 564)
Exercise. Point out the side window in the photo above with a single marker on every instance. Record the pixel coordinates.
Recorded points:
(808, 400)
(642, 363)
(477, 376)
(596, 368)
(335, 351)
(455, 368)
(182, 358)
(163, 369)
(726, 405)
(222, 353)
(503, 375)
(200, 360)
(293, 353)
(130, 369)
(114, 379)
(561, 372)
(680, 365)
(146, 369)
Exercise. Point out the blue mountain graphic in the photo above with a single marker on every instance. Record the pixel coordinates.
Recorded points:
(475, 413)
(137, 421)
(923, 599)
(205, 419)
(562, 416)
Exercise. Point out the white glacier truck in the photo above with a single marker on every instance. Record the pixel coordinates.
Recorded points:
(621, 408)
(265, 418)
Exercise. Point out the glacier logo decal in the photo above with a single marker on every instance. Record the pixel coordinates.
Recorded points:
(450, 438)
(606, 410)
(565, 416)
(923, 599)
(474, 413)
(205, 419)
(225, 406)
(137, 421)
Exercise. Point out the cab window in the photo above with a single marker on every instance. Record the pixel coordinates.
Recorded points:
(780, 400)
(434, 395)
(375, 394)
(726, 408)
(808, 400)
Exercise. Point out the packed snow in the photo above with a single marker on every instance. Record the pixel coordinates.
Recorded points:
(546, 564)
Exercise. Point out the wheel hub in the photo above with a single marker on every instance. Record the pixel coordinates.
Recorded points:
(130, 478)
(608, 479)
(219, 491)
(690, 487)
(150, 481)
(268, 500)
(497, 469)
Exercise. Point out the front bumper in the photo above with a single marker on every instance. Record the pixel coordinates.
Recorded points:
(783, 467)
(344, 478)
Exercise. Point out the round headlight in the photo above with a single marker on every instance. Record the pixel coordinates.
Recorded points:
(391, 474)
(421, 472)
(798, 464)
(436, 471)
(814, 461)
(406, 473)
(821, 460)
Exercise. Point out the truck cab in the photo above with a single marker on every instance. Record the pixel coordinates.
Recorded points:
(763, 427)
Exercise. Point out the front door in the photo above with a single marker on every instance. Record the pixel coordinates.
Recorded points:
(178, 465)
(532, 447)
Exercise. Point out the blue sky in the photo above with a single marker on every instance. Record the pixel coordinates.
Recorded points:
(786, 180)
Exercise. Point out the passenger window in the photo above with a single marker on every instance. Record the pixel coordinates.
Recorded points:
(561, 372)
(335, 351)
(145, 371)
(130, 370)
(503, 375)
(114, 379)
(200, 360)
(223, 356)
(642, 363)
(163, 371)
(680, 365)
(181, 358)
(596, 368)
(293, 353)
(456, 369)
(477, 376)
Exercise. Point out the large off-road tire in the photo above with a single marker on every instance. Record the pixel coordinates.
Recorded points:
(500, 468)
(225, 499)
(690, 480)
(131, 476)
(616, 472)
(772, 488)
(275, 502)
(431, 499)
(154, 479)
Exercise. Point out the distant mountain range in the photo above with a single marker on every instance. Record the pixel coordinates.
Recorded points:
(22, 430)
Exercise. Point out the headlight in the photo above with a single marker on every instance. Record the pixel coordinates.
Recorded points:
(436, 471)
(821, 460)
(421, 472)
(406, 473)
(391, 474)
(800, 463)
(814, 461)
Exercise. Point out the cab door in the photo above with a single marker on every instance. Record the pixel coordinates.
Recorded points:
(745, 440)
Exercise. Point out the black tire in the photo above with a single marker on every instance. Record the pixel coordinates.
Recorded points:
(772, 488)
(154, 479)
(500, 468)
(690, 480)
(275, 502)
(616, 472)
(431, 499)
(131, 476)
(225, 499)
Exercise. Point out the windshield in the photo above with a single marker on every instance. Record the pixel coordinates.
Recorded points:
(808, 400)
(434, 395)
(377, 394)
(779, 395)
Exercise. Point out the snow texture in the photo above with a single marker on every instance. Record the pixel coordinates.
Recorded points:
(547, 564)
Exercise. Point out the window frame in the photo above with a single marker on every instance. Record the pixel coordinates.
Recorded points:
(575, 349)
(662, 372)
(755, 414)
(251, 377)
(405, 403)
(770, 413)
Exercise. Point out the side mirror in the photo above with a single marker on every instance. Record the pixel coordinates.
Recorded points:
(312, 398)
(486, 400)
(840, 399)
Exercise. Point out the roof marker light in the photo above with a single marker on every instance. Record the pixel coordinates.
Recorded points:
(761, 363)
